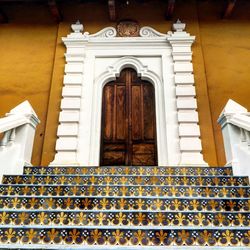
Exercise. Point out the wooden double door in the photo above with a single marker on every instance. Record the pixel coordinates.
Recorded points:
(128, 122)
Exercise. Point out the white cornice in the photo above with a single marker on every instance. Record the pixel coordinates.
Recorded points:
(148, 36)
(20, 115)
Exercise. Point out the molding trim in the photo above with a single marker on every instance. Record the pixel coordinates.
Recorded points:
(163, 59)
(110, 74)
(150, 32)
(235, 125)
(106, 32)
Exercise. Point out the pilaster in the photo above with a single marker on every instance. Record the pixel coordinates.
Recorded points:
(189, 130)
(69, 118)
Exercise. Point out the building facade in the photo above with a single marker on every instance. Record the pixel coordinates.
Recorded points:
(32, 60)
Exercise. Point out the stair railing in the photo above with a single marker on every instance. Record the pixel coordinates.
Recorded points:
(235, 124)
(9, 136)
(16, 144)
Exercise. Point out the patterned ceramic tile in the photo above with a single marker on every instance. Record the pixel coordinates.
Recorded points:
(125, 206)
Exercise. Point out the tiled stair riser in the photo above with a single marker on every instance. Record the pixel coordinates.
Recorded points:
(122, 190)
(107, 236)
(124, 218)
(127, 180)
(133, 203)
(125, 207)
(151, 170)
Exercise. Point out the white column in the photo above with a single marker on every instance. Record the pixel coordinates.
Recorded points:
(17, 144)
(189, 130)
(235, 125)
(68, 129)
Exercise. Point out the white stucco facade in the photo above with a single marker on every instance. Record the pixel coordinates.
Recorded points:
(163, 59)
(18, 128)
(235, 125)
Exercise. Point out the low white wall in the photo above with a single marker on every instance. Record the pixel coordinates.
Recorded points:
(16, 145)
(235, 124)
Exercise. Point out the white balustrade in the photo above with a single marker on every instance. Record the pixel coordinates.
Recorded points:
(16, 144)
(235, 124)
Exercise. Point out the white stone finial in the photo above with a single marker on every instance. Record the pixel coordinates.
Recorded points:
(77, 27)
(179, 26)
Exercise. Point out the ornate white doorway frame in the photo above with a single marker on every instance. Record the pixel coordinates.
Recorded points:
(94, 60)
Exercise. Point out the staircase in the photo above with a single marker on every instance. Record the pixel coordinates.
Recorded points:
(125, 208)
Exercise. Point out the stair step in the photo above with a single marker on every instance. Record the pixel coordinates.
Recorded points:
(134, 203)
(115, 247)
(125, 208)
(138, 227)
(166, 236)
(131, 170)
(124, 218)
(129, 180)
(115, 190)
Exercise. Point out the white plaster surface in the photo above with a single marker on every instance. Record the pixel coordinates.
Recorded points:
(71, 103)
(186, 103)
(190, 144)
(72, 91)
(68, 129)
(16, 145)
(189, 130)
(184, 79)
(185, 91)
(183, 67)
(188, 116)
(72, 79)
(95, 59)
(69, 116)
(235, 124)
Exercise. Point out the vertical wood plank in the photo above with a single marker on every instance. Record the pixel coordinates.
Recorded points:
(128, 122)
(148, 93)
(136, 113)
(129, 119)
(108, 111)
(142, 110)
(121, 113)
(114, 114)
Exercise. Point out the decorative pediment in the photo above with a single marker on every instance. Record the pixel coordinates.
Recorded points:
(150, 32)
(106, 32)
(164, 59)
(121, 31)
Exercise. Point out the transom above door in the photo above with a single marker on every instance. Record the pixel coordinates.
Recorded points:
(128, 122)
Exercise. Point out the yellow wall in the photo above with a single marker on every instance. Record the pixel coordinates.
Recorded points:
(32, 61)
(27, 47)
(226, 51)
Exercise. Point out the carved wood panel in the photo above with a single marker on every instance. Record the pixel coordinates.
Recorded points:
(128, 122)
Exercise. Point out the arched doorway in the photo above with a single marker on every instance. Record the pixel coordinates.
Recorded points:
(128, 134)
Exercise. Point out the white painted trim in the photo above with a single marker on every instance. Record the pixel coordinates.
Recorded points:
(235, 125)
(93, 60)
(109, 75)
(16, 146)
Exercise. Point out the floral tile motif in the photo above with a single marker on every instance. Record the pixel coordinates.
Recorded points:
(127, 180)
(125, 206)
(125, 218)
(103, 203)
(139, 237)
(131, 170)
(121, 191)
